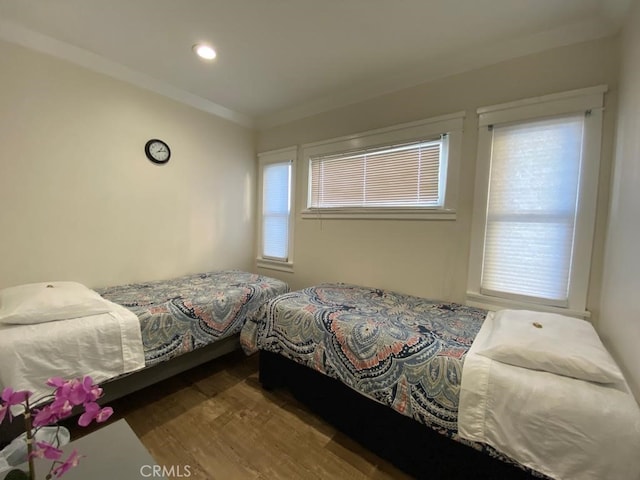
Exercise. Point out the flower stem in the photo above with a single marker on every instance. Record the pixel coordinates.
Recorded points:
(29, 425)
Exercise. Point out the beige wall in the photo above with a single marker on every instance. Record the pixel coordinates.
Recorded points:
(620, 317)
(78, 198)
(429, 258)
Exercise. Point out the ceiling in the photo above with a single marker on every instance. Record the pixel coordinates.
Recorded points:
(279, 60)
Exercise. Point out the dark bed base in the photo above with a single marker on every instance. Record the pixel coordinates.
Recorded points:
(412, 447)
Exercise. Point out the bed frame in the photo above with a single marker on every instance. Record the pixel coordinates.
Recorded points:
(412, 447)
(129, 383)
(132, 382)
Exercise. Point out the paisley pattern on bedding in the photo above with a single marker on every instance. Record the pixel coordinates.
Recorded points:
(180, 315)
(403, 351)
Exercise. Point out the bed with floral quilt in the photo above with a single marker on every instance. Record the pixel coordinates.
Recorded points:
(180, 315)
(125, 337)
(401, 351)
(449, 391)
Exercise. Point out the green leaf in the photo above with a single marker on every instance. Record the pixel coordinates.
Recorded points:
(17, 475)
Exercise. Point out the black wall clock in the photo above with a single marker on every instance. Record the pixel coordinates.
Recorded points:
(157, 151)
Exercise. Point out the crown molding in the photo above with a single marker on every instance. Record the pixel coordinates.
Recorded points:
(25, 37)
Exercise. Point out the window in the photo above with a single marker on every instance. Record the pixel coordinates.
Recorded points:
(393, 176)
(276, 206)
(534, 212)
(406, 171)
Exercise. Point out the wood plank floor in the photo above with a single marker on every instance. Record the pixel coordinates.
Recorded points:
(218, 420)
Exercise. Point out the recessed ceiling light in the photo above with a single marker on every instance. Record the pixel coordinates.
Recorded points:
(204, 51)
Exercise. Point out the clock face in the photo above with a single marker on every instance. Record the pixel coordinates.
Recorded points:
(157, 151)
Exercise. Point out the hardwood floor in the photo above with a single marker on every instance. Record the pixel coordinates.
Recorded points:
(217, 420)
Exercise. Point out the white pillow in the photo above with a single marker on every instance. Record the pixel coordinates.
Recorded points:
(46, 302)
(552, 343)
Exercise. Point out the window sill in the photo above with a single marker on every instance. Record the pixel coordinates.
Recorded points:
(494, 303)
(379, 214)
(274, 265)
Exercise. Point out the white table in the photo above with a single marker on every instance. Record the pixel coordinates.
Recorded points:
(112, 452)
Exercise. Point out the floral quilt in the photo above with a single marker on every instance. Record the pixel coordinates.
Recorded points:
(177, 316)
(403, 351)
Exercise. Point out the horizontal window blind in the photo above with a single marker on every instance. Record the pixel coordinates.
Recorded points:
(531, 212)
(407, 175)
(276, 205)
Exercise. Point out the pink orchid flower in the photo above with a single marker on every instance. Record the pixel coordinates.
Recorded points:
(67, 395)
(62, 391)
(93, 411)
(104, 414)
(76, 393)
(67, 465)
(56, 382)
(65, 389)
(79, 391)
(62, 407)
(93, 391)
(10, 398)
(14, 398)
(45, 416)
(46, 450)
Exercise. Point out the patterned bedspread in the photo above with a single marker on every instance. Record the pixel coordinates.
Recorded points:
(405, 352)
(177, 316)
(402, 351)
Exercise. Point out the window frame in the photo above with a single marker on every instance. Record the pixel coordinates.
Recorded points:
(283, 155)
(587, 100)
(451, 124)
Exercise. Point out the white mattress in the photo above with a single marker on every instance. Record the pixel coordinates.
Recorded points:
(102, 346)
(560, 426)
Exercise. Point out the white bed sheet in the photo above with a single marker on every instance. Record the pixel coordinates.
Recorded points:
(102, 346)
(560, 426)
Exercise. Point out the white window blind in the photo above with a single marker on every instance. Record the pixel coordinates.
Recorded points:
(531, 210)
(407, 175)
(276, 206)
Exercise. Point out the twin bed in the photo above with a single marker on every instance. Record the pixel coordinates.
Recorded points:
(405, 376)
(414, 380)
(181, 315)
(129, 336)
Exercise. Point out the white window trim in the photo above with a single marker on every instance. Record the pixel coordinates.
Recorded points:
(266, 158)
(582, 100)
(451, 124)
